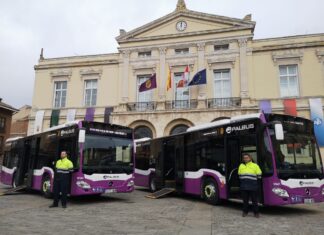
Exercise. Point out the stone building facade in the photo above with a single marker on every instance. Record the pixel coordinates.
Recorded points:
(241, 72)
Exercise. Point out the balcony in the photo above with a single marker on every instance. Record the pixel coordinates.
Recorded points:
(141, 106)
(231, 102)
(181, 104)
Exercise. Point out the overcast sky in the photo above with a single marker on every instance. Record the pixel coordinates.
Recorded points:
(81, 27)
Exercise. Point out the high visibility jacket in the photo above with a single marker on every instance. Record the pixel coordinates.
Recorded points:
(64, 165)
(249, 174)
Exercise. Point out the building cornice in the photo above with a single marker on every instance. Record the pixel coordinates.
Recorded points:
(286, 46)
(75, 64)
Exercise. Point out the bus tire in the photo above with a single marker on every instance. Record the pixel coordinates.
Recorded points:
(210, 191)
(46, 186)
(152, 185)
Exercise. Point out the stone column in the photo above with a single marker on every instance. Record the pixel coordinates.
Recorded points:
(201, 65)
(125, 89)
(243, 69)
(162, 83)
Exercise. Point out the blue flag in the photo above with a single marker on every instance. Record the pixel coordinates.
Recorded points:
(199, 78)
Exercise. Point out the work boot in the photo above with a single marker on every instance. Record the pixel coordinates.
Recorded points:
(256, 215)
(63, 206)
(244, 214)
(52, 206)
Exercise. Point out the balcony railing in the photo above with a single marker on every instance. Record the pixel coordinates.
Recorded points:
(181, 104)
(224, 102)
(141, 106)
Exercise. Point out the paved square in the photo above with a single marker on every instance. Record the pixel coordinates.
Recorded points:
(135, 214)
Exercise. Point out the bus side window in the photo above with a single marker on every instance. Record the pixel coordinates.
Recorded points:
(266, 163)
(6, 159)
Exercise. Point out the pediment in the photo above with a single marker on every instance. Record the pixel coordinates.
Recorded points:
(196, 23)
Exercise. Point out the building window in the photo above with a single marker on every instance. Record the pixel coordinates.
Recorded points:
(144, 54)
(181, 94)
(289, 80)
(221, 47)
(2, 124)
(222, 83)
(60, 94)
(143, 132)
(179, 129)
(181, 51)
(145, 96)
(90, 92)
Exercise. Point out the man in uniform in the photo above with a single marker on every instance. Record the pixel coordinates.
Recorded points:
(249, 173)
(61, 179)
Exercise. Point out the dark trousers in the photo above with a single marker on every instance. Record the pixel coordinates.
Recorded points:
(246, 195)
(60, 188)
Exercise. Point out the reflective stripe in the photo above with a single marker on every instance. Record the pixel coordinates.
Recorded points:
(248, 177)
(62, 171)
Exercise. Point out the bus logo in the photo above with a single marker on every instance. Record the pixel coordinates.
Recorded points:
(230, 129)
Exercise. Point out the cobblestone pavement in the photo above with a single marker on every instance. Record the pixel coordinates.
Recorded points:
(135, 214)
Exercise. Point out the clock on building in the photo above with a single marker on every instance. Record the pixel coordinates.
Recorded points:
(181, 25)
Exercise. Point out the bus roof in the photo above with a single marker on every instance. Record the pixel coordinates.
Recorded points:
(224, 121)
(142, 140)
(67, 124)
(14, 139)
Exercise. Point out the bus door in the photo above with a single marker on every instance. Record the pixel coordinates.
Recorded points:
(23, 150)
(233, 161)
(34, 150)
(179, 163)
(169, 156)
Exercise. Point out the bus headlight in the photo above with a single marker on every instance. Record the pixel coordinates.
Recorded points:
(280, 192)
(83, 184)
(130, 183)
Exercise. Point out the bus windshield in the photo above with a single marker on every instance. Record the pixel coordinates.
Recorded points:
(105, 154)
(297, 156)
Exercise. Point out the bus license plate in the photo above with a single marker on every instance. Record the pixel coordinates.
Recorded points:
(308, 200)
(110, 190)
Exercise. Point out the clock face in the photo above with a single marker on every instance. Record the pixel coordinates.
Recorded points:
(181, 25)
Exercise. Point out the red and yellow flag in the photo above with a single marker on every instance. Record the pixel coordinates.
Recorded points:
(169, 80)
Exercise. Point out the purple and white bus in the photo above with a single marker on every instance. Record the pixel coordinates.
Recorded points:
(204, 160)
(102, 154)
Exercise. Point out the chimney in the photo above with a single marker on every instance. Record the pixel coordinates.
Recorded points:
(122, 32)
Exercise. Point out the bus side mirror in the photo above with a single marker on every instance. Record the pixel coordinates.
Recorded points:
(279, 131)
(81, 136)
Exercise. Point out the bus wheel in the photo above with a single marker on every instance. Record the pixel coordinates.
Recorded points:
(152, 185)
(14, 181)
(210, 191)
(46, 186)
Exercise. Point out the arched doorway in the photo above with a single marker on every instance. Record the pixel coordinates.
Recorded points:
(143, 132)
(179, 129)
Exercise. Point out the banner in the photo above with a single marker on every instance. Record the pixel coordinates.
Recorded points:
(265, 106)
(290, 107)
(89, 114)
(55, 117)
(70, 116)
(108, 112)
(185, 78)
(316, 109)
(38, 125)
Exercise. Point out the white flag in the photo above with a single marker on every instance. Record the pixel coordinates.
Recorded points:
(70, 116)
(38, 126)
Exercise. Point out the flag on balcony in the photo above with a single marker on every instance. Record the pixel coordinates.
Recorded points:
(169, 80)
(316, 108)
(108, 112)
(89, 114)
(199, 78)
(149, 84)
(185, 78)
(55, 117)
(70, 116)
(265, 106)
(290, 107)
(38, 125)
